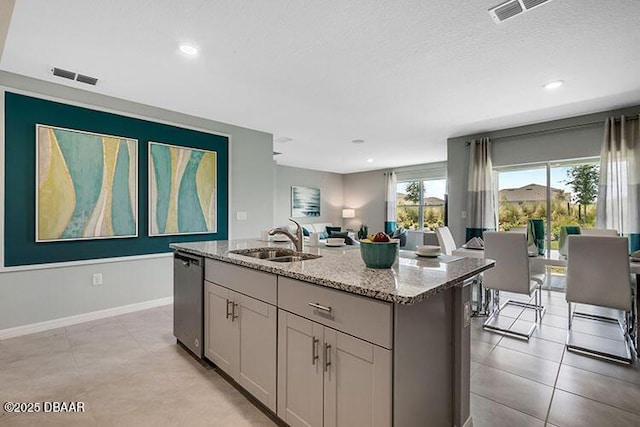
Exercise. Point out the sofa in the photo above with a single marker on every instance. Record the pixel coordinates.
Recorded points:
(321, 229)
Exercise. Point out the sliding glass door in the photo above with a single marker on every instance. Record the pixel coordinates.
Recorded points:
(561, 193)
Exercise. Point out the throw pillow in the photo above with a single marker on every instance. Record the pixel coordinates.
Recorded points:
(323, 235)
(331, 229)
(342, 234)
(305, 232)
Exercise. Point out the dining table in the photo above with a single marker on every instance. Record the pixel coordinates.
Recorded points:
(553, 258)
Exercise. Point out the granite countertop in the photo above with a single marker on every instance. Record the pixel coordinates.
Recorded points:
(409, 281)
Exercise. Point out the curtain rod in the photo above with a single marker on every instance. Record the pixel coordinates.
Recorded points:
(560, 129)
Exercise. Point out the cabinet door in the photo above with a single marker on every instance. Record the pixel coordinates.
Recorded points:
(221, 329)
(299, 371)
(258, 332)
(357, 382)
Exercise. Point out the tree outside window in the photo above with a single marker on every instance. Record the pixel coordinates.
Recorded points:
(420, 204)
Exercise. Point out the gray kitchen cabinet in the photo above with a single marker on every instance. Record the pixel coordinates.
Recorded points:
(328, 378)
(220, 328)
(357, 382)
(239, 339)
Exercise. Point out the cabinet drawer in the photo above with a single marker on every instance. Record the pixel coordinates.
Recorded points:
(359, 316)
(256, 284)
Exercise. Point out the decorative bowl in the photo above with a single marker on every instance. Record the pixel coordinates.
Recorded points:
(428, 250)
(335, 241)
(379, 254)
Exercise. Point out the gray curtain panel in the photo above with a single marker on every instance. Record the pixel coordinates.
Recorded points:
(481, 197)
(618, 205)
(390, 202)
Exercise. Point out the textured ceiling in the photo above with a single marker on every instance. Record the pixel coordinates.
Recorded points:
(403, 75)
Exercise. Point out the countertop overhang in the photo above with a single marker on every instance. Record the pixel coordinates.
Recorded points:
(410, 280)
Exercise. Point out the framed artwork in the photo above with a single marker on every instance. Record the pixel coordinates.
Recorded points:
(182, 190)
(305, 202)
(86, 185)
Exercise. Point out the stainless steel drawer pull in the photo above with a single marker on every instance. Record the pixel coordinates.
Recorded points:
(320, 307)
(327, 356)
(228, 312)
(234, 316)
(314, 350)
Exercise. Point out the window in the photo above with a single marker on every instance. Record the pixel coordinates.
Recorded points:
(420, 204)
(561, 193)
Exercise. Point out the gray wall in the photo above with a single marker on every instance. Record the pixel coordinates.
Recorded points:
(331, 194)
(548, 142)
(365, 192)
(34, 296)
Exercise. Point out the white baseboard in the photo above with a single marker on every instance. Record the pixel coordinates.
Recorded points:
(81, 318)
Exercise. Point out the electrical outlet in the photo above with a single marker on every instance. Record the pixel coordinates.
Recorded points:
(463, 214)
(467, 314)
(97, 279)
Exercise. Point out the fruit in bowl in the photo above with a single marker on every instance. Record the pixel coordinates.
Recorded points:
(379, 251)
(379, 237)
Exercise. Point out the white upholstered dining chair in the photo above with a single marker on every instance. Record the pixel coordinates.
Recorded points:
(445, 240)
(599, 232)
(522, 230)
(511, 273)
(598, 274)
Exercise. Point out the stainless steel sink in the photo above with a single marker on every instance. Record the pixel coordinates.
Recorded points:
(292, 258)
(275, 255)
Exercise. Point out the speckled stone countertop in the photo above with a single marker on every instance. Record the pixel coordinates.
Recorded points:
(409, 281)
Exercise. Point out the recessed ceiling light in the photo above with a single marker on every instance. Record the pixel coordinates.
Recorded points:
(282, 140)
(188, 49)
(358, 141)
(369, 160)
(554, 85)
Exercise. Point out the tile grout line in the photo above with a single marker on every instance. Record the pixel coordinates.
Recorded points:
(553, 393)
(519, 376)
(73, 353)
(507, 406)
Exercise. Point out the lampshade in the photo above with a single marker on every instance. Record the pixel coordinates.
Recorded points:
(348, 213)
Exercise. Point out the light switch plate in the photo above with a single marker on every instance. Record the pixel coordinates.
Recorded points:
(241, 216)
(463, 214)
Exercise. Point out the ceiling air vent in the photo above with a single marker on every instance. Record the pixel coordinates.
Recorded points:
(530, 4)
(86, 79)
(513, 8)
(64, 73)
(59, 72)
(506, 10)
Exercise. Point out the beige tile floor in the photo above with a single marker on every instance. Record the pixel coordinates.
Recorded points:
(128, 371)
(538, 383)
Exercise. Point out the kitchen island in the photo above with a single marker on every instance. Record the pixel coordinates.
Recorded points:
(329, 342)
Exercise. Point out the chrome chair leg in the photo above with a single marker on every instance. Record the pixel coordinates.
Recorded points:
(576, 348)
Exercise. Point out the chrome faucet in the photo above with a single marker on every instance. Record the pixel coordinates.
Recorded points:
(296, 240)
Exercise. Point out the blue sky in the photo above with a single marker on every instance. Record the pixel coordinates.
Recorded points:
(516, 179)
(507, 179)
(511, 179)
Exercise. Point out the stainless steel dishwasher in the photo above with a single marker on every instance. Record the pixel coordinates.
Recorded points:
(188, 301)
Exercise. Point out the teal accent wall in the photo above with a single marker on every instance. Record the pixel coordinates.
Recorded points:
(22, 113)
